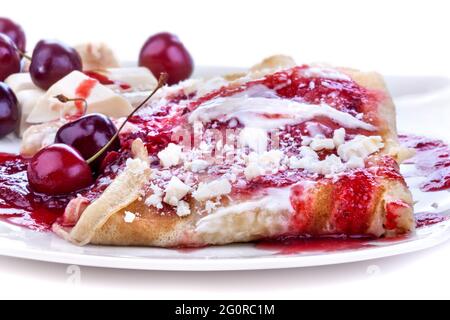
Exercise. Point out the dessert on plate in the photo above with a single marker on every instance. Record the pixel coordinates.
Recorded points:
(280, 150)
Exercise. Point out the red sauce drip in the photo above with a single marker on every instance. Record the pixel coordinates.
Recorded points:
(353, 196)
(292, 246)
(18, 205)
(432, 161)
(393, 210)
(103, 79)
(303, 206)
(429, 219)
(83, 91)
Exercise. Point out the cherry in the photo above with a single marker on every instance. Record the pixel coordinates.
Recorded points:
(164, 52)
(52, 61)
(88, 135)
(9, 112)
(9, 57)
(14, 31)
(58, 169)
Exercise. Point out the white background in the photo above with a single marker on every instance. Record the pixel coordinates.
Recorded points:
(396, 37)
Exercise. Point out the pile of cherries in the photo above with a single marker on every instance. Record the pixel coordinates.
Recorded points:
(80, 150)
(50, 62)
(82, 146)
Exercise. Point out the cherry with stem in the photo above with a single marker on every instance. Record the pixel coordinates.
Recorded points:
(61, 169)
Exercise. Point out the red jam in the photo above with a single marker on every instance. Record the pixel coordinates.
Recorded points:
(83, 91)
(103, 79)
(344, 95)
(432, 160)
(429, 219)
(290, 246)
(19, 205)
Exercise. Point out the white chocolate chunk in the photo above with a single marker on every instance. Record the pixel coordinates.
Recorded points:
(355, 163)
(26, 101)
(101, 99)
(318, 144)
(155, 200)
(138, 78)
(307, 152)
(253, 170)
(360, 146)
(129, 217)
(214, 189)
(339, 137)
(183, 209)
(197, 166)
(20, 81)
(175, 191)
(171, 156)
(331, 165)
(264, 163)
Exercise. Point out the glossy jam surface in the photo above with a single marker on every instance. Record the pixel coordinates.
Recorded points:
(290, 246)
(432, 160)
(103, 79)
(21, 206)
(83, 91)
(342, 94)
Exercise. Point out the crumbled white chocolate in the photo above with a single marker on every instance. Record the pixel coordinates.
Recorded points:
(175, 191)
(355, 163)
(197, 165)
(211, 206)
(129, 217)
(253, 170)
(171, 156)
(331, 165)
(360, 146)
(265, 163)
(214, 189)
(320, 143)
(339, 137)
(155, 200)
(183, 209)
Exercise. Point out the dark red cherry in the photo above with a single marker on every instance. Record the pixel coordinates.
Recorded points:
(88, 135)
(52, 61)
(164, 52)
(9, 57)
(58, 169)
(14, 31)
(9, 112)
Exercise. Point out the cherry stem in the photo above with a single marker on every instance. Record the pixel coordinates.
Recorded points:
(63, 99)
(23, 54)
(161, 82)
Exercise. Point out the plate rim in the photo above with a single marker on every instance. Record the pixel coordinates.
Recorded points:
(271, 262)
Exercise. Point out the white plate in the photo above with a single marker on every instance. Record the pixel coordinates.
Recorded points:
(423, 103)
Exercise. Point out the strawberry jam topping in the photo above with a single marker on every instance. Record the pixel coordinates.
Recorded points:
(103, 79)
(353, 199)
(343, 94)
